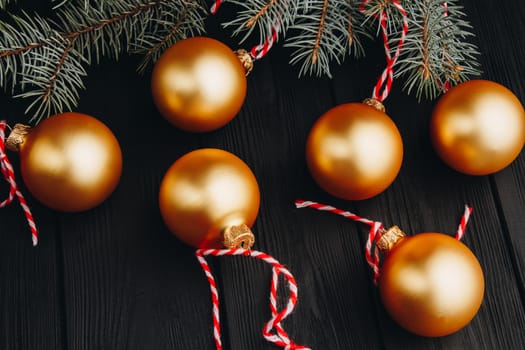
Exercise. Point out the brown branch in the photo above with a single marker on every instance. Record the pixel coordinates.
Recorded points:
(52, 81)
(315, 51)
(21, 50)
(350, 29)
(425, 62)
(259, 14)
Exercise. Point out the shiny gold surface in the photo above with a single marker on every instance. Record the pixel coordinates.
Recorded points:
(70, 162)
(198, 84)
(431, 284)
(204, 193)
(478, 127)
(354, 151)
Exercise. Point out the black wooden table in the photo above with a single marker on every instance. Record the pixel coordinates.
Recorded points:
(115, 278)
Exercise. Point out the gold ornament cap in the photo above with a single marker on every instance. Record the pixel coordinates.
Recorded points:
(372, 102)
(390, 238)
(17, 137)
(246, 60)
(238, 236)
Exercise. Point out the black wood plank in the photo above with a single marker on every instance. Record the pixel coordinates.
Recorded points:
(114, 277)
(31, 308)
(128, 283)
(428, 196)
(505, 67)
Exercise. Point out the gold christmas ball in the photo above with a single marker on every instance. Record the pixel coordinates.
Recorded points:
(354, 151)
(206, 192)
(478, 127)
(431, 284)
(70, 162)
(198, 84)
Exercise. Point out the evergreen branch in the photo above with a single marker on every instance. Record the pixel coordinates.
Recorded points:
(174, 24)
(437, 51)
(87, 3)
(264, 15)
(50, 56)
(56, 76)
(325, 31)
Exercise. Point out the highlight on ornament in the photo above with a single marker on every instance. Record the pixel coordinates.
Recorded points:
(70, 162)
(430, 283)
(209, 198)
(199, 84)
(478, 127)
(354, 151)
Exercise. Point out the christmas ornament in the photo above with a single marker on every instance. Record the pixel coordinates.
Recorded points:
(430, 283)
(354, 151)
(209, 198)
(199, 84)
(70, 162)
(478, 127)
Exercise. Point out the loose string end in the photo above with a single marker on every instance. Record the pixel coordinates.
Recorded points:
(280, 337)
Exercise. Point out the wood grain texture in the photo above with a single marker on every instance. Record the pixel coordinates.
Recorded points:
(115, 278)
(30, 281)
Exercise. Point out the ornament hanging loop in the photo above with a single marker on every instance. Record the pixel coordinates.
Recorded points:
(239, 236)
(389, 239)
(17, 137)
(373, 102)
(246, 60)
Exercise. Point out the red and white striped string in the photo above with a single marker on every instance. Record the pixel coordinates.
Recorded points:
(463, 223)
(376, 229)
(9, 176)
(387, 77)
(258, 51)
(280, 337)
(375, 232)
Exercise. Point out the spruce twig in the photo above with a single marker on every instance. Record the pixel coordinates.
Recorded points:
(46, 58)
(436, 52)
(263, 15)
(325, 31)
